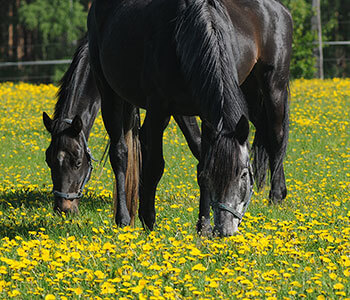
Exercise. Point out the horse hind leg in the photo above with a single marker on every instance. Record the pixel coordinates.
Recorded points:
(257, 115)
(274, 131)
(151, 136)
(131, 178)
(260, 156)
(113, 114)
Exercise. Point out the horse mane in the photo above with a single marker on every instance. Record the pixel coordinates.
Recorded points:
(204, 37)
(66, 82)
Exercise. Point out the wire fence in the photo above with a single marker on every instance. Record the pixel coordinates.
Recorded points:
(18, 71)
(21, 72)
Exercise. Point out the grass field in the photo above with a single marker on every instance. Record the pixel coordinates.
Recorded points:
(300, 250)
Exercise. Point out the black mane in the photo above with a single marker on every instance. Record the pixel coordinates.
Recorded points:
(65, 84)
(208, 62)
(208, 65)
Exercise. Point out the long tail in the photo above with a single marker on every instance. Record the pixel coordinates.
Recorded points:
(132, 177)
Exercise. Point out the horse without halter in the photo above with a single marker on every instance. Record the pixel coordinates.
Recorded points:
(224, 60)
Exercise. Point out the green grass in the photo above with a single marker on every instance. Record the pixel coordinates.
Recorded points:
(298, 250)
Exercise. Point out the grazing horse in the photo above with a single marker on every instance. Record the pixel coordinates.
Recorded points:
(68, 154)
(223, 60)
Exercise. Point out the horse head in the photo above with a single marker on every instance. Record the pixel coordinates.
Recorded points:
(69, 158)
(228, 176)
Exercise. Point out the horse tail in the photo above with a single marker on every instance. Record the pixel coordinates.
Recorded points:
(205, 38)
(132, 177)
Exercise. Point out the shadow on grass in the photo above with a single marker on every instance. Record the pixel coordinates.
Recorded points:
(37, 199)
(26, 211)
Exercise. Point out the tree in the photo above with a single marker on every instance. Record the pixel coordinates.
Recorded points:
(303, 60)
(60, 23)
(336, 27)
(55, 19)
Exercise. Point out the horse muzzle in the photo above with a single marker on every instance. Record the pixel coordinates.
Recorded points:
(68, 206)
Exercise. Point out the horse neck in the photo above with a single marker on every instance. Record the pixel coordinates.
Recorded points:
(79, 95)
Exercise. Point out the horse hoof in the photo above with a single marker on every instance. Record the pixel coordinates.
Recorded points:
(147, 223)
(273, 200)
(277, 197)
(122, 222)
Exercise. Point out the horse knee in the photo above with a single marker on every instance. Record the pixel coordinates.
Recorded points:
(118, 154)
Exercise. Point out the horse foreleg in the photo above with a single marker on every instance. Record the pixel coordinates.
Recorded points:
(203, 224)
(190, 130)
(112, 114)
(151, 136)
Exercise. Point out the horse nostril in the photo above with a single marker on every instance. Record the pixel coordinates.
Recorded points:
(66, 206)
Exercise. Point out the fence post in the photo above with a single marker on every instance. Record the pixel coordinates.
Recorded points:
(317, 26)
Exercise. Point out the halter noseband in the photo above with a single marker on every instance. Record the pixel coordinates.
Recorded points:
(235, 213)
(90, 158)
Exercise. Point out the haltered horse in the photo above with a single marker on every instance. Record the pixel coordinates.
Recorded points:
(223, 60)
(69, 156)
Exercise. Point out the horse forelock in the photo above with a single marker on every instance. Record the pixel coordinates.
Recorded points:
(223, 163)
(60, 137)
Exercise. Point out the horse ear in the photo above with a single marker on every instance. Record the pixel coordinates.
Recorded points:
(47, 122)
(77, 126)
(242, 130)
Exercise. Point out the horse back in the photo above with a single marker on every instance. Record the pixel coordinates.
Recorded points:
(133, 45)
(257, 38)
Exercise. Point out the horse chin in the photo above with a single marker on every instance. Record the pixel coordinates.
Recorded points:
(66, 206)
(227, 229)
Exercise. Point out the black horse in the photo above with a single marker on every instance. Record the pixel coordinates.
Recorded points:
(68, 154)
(224, 60)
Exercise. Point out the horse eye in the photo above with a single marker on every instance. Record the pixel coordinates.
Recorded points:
(78, 163)
(244, 174)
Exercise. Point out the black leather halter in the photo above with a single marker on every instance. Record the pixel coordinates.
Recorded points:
(90, 158)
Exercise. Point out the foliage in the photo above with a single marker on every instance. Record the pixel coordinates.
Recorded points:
(55, 18)
(335, 27)
(300, 250)
(303, 60)
(60, 23)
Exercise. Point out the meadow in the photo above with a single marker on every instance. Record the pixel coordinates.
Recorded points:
(299, 250)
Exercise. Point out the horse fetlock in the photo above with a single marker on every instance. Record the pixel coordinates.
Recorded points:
(122, 220)
(204, 228)
(277, 196)
(147, 220)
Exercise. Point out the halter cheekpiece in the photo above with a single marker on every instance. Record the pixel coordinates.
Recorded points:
(234, 212)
